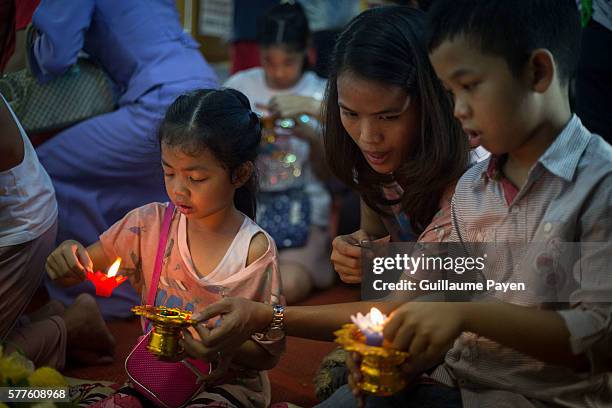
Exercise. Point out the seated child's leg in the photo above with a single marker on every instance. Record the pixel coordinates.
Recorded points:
(416, 396)
(89, 341)
(319, 252)
(297, 283)
(78, 332)
(43, 342)
(52, 308)
(308, 267)
(43, 336)
(22, 268)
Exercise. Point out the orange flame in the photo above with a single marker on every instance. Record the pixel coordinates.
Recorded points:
(112, 271)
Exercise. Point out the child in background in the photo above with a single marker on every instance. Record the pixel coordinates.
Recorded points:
(209, 141)
(283, 88)
(549, 181)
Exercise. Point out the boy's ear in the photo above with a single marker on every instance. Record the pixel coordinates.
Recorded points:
(242, 174)
(541, 70)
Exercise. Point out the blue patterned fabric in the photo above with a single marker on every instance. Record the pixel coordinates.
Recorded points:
(285, 215)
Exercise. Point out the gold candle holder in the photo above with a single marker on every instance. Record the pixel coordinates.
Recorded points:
(381, 374)
(167, 326)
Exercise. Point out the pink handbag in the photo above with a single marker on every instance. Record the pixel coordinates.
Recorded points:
(166, 384)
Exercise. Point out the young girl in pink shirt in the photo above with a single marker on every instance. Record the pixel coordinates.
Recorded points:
(209, 141)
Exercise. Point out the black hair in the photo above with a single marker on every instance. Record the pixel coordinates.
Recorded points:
(387, 45)
(285, 25)
(511, 29)
(221, 121)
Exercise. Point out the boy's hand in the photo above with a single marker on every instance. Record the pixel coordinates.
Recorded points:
(346, 255)
(69, 263)
(427, 330)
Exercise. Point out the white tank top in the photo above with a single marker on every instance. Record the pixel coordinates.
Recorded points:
(27, 200)
(235, 257)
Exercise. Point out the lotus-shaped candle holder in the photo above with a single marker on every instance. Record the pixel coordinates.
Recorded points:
(167, 326)
(380, 366)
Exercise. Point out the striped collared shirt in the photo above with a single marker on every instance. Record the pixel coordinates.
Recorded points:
(568, 198)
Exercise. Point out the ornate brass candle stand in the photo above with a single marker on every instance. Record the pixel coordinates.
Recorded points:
(167, 326)
(381, 374)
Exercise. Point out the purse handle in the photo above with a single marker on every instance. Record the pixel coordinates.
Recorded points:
(159, 257)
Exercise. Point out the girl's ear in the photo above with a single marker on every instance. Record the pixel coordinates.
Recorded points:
(242, 174)
(541, 70)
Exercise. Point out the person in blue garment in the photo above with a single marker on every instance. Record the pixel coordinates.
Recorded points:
(108, 165)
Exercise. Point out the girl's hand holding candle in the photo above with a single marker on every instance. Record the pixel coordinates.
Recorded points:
(371, 326)
(105, 284)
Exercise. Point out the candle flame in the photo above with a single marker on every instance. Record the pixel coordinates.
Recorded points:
(376, 317)
(112, 271)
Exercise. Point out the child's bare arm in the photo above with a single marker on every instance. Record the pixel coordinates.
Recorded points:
(257, 248)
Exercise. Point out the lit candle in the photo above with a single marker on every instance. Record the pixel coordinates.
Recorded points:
(106, 283)
(371, 325)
